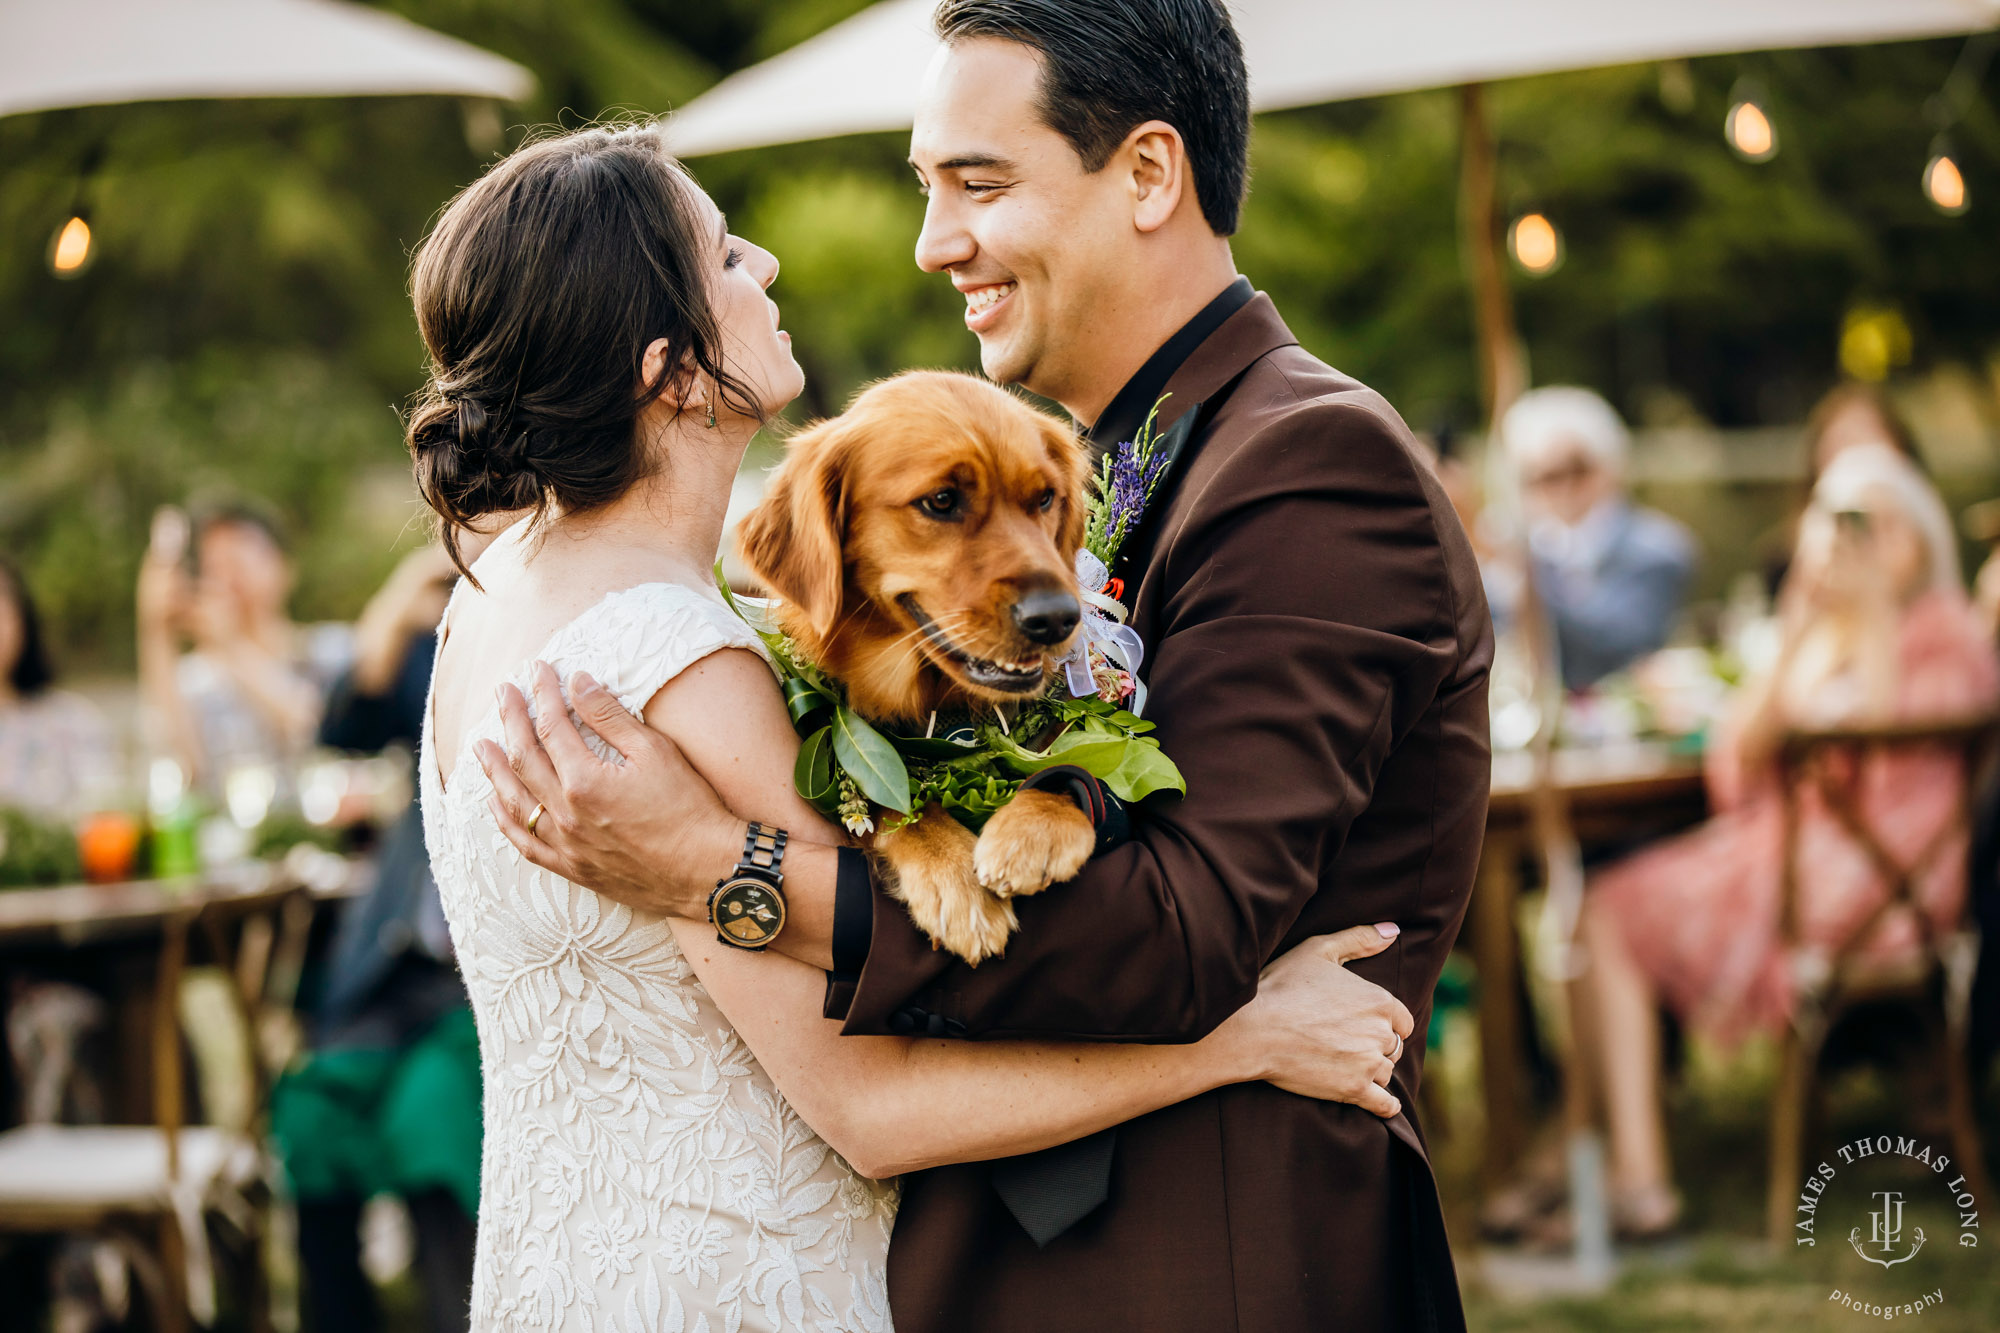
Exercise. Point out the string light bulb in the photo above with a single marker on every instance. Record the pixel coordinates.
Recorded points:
(71, 248)
(1944, 177)
(1535, 244)
(1748, 127)
(1944, 183)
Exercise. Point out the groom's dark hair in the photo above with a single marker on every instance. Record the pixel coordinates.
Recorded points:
(1111, 65)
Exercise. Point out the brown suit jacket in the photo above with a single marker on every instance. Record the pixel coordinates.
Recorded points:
(1318, 645)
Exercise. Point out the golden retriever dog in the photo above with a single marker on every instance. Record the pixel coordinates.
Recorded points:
(922, 545)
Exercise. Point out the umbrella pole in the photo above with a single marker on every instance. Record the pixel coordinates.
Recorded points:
(1501, 374)
(1503, 378)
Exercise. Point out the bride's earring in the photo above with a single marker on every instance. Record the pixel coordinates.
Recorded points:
(711, 414)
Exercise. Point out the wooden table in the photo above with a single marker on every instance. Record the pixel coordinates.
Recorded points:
(106, 937)
(75, 914)
(1610, 795)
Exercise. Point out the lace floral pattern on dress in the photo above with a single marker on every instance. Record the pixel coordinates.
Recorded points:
(641, 1171)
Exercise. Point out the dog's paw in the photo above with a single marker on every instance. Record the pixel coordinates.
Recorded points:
(966, 920)
(958, 915)
(1037, 839)
(930, 865)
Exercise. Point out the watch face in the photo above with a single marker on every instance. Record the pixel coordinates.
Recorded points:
(750, 913)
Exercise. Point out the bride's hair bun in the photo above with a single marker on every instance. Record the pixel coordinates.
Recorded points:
(537, 295)
(463, 471)
(471, 422)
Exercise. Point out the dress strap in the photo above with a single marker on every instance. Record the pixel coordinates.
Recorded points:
(638, 639)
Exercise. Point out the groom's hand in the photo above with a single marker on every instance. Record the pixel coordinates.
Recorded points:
(649, 832)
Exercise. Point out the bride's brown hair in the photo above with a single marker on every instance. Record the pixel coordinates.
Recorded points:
(537, 294)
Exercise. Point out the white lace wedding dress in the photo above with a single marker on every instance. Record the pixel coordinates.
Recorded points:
(640, 1172)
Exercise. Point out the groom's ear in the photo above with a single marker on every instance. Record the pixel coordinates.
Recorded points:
(792, 539)
(1155, 157)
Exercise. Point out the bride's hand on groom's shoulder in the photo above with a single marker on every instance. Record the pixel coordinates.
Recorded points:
(1318, 1030)
(629, 830)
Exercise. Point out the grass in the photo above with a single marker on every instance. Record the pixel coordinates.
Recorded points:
(1730, 1279)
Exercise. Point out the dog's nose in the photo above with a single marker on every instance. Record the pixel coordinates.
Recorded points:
(1047, 615)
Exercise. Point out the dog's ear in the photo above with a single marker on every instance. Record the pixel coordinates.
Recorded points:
(792, 539)
(1072, 462)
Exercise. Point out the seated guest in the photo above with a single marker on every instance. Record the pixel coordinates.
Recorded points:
(389, 1100)
(250, 688)
(1609, 575)
(55, 753)
(1849, 414)
(1876, 629)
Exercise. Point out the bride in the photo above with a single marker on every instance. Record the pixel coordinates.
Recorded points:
(675, 1140)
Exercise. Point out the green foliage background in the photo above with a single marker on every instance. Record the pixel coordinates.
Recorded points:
(246, 326)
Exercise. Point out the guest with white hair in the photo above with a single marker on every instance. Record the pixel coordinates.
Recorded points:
(1610, 575)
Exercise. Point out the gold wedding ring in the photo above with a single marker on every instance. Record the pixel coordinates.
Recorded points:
(539, 809)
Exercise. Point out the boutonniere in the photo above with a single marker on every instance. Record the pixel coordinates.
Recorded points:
(1105, 661)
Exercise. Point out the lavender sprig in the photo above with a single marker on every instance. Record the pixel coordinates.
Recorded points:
(1124, 483)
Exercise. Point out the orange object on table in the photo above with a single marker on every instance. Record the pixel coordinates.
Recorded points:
(108, 843)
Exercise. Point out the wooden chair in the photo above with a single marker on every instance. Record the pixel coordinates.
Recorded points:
(1937, 980)
(151, 1189)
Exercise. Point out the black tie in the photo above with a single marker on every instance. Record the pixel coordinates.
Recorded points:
(1051, 1191)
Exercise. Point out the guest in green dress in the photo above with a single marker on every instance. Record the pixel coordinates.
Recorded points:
(389, 1099)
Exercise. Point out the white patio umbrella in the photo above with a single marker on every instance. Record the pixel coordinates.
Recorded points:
(94, 52)
(864, 74)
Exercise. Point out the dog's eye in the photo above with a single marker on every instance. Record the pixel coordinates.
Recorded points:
(943, 503)
(1047, 501)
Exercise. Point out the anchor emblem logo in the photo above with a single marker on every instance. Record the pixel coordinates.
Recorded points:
(1885, 1232)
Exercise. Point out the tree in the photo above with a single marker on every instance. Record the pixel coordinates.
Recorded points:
(248, 324)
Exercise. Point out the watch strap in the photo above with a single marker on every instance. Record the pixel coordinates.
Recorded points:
(764, 849)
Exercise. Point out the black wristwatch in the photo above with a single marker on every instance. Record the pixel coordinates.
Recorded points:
(747, 907)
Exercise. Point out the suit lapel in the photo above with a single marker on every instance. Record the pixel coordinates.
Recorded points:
(1195, 393)
(1245, 336)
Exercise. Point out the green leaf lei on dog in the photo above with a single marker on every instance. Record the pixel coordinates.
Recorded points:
(848, 768)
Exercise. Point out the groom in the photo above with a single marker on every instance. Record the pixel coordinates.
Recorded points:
(1317, 648)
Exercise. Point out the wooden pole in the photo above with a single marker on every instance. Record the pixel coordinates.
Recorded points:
(1503, 378)
(1501, 373)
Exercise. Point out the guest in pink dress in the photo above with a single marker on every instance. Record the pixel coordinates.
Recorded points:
(1876, 628)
